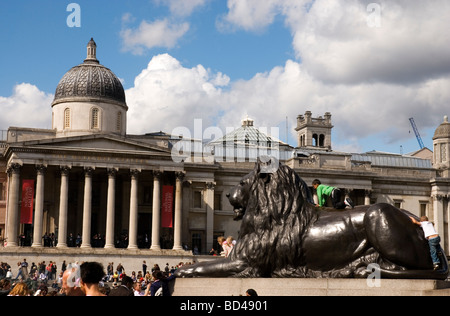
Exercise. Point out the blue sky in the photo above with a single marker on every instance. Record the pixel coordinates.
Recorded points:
(221, 60)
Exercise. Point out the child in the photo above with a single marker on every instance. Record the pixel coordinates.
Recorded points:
(432, 236)
(324, 191)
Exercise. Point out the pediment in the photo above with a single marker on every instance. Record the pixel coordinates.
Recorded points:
(103, 143)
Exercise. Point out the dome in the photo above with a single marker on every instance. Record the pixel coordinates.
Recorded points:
(443, 131)
(90, 81)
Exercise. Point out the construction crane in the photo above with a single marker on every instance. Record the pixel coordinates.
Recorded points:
(416, 131)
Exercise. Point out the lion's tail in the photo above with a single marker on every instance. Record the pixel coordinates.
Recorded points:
(440, 274)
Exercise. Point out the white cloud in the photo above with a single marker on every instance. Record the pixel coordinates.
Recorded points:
(165, 32)
(250, 15)
(167, 95)
(159, 33)
(373, 66)
(26, 99)
(337, 43)
(182, 7)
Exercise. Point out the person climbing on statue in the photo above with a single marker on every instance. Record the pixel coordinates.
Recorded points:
(325, 191)
(433, 238)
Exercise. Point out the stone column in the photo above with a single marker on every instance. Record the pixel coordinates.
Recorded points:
(39, 207)
(111, 208)
(438, 208)
(133, 229)
(209, 215)
(445, 238)
(156, 211)
(12, 228)
(63, 207)
(178, 207)
(87, 208)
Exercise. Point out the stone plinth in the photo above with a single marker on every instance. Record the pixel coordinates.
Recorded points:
(309, 287)
(131, 259)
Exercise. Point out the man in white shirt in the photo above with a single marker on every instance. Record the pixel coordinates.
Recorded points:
(432, 236)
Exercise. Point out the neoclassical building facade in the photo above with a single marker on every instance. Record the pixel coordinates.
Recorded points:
(90, 178)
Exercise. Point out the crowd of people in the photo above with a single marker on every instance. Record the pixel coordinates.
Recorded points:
(84, 279)
(91, 278)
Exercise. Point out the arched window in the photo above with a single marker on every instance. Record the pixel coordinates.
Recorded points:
(66, 118)
(95, 118)
(321, 140)
(315, 140)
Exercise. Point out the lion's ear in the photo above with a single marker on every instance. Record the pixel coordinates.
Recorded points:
(267, 164)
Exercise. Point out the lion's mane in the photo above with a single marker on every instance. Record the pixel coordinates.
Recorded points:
(278, 213)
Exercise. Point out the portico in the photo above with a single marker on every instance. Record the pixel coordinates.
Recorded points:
(113, 194)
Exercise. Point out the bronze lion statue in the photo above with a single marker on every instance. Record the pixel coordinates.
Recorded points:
(284, 235)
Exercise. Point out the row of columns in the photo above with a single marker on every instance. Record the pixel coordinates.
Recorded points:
(13, 208)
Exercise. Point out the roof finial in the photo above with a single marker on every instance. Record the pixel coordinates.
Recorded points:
(91, 51)
(247, 122)
(446, 119)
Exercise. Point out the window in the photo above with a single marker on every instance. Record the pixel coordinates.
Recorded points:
(315, 140)
(197, 199)
(443, 153)
(218, 201)
(423, 208)
(321, 140)
(197, 238)
(95, 118)
(119, 122)
(398, 203)
(66, 118)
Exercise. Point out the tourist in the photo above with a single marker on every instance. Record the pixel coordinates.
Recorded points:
(125, 289)
(137, 289)
(324, 191)
(144, 267)
(120, 268)
(20, 289)
(160, 283)
(24, 266)
(42, 290)
(251, 292)
(115, 276)
(5, 287)
(19, 271)
(226, 244)
(433, 238)
(91, 275)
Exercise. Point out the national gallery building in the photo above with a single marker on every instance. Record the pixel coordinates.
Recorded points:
(87, 183)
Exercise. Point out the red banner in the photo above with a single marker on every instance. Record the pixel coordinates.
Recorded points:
(167, 206)
(26, 211)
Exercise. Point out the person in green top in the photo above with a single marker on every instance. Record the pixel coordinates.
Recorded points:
(325, 191)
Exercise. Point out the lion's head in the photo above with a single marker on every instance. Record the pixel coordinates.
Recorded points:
(279, 187)
(239, 195)
(276, 207)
